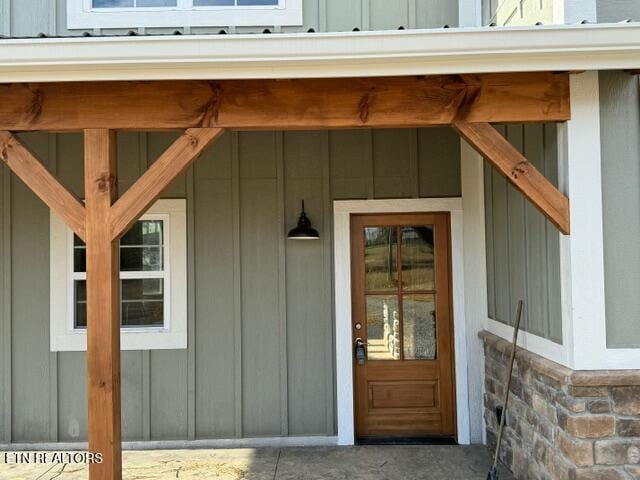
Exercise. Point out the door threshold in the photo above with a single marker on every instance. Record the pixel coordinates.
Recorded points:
(406, 441)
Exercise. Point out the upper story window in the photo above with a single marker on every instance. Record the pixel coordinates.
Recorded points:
(179, 13)
(174, 3)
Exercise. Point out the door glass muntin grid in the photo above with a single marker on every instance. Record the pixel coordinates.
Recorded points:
(384, 304)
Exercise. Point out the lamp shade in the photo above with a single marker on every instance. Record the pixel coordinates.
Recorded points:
(304, 230)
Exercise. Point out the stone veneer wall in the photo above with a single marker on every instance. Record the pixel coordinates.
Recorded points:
(562, 424)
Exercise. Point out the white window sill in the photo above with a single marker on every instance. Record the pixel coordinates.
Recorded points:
(155, 339)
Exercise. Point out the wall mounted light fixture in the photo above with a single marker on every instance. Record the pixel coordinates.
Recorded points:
(303, 231)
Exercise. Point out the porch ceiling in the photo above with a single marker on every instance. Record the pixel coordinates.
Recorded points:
(315, 55)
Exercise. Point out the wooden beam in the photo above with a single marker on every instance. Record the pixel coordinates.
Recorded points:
(42, 182)
(103, 305)
(516, 168)
(175, 160)
(287, 104)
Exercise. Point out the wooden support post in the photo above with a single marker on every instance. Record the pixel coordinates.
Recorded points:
(496, 149)
(103, 305)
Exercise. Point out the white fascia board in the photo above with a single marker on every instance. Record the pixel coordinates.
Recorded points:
(304, 55)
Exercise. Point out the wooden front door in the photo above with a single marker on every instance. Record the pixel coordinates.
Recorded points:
(402, 328)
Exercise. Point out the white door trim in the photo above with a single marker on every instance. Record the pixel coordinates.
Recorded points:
(475, 278)
(342, 210)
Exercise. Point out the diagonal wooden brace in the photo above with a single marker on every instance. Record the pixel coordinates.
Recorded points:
(175, 160)
(496, 149)
(42, 182)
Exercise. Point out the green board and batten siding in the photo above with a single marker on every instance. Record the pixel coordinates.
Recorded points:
(617, 10)
(523, 248)
(620, 136)
(19, 18)
(260, 356)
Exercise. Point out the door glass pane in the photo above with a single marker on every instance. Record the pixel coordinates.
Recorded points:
(417, 258)
(420, 339)
(380, 258)
(383, 327)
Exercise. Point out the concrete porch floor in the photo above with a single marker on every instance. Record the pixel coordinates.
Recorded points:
(348, 463)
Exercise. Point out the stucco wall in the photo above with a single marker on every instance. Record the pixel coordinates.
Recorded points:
(620, 130)
(260, 356)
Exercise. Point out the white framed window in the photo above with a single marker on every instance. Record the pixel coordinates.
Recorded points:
(179, 13)
(153, 282)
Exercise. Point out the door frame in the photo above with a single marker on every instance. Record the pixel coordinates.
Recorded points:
(342, 210)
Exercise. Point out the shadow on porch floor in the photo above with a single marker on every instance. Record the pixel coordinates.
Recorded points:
(342, 463)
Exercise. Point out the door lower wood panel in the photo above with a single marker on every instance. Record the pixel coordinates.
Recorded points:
(401, 285)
